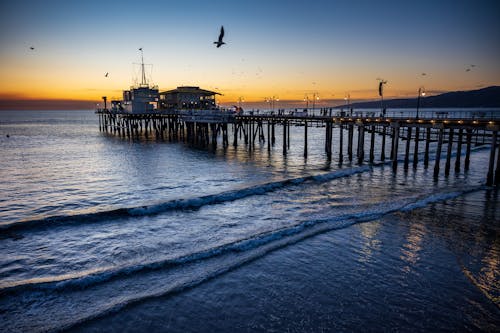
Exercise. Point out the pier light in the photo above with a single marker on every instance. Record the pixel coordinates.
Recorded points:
(445, 121)
(314, 99)
(474, 122)
(272, 101)
(306, 99)
(433, 121)
(490, 122)
(460, 121)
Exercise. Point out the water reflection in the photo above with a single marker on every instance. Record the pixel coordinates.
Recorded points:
(371, 243)
(489, 276)
(411, 249)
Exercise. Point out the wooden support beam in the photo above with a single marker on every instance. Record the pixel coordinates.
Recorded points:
(284, 137)
(341, 143)
(349, 141)
(427, 144)
(448, 153)
(288, 137)
(273, 137)
(268, 136)
(382, 152)
(407, 149)
(491, 164)
(395, 146)
(415, 151)
(459, 150)
(305, 138)
(497, 172)
(372, 144)
(468, 149)
(361, 143)
(438, 152)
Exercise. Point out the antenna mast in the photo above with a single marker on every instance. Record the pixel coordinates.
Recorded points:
(143, 82)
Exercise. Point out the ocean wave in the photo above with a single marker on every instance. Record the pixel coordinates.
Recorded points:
(177, 204)
(88, 278)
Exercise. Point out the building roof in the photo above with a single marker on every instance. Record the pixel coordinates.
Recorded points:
(190, 90)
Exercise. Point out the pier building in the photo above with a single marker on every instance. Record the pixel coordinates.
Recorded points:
(186, 97)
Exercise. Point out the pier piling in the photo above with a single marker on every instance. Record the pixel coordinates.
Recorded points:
(194, 129)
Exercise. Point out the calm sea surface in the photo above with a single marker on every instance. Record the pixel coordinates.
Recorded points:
(100, 233)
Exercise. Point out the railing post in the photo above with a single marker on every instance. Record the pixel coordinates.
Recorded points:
(491, 164)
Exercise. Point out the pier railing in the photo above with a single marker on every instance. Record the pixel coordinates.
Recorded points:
(473, 113)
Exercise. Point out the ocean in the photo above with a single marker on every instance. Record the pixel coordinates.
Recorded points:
(102, 233)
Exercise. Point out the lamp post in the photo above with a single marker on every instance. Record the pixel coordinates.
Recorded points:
(306, 99)
(272, 101)
(421, 92)
(315, 98)
(347, 102)
(381, 84)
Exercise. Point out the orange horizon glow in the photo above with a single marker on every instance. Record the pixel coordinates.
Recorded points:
(67, 101)
(61, 53)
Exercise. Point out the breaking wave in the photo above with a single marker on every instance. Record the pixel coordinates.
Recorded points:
(96, 276)
(178, 204)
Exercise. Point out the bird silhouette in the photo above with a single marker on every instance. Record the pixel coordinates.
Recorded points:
(219, 42)
(106, 75)
(32, 48)
(467, 70)
(424, 74)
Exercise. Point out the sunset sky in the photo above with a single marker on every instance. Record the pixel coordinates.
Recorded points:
(285, 49)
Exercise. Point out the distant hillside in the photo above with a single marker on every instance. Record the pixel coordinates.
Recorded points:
(486, 97)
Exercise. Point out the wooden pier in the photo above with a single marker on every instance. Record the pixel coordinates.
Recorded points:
(207, 128)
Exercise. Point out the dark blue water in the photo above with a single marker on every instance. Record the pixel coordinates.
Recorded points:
(102, 233)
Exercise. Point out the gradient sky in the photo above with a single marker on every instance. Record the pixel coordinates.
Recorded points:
(274, 48)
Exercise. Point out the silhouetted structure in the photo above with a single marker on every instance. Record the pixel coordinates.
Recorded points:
(188, 98)
(203, 127)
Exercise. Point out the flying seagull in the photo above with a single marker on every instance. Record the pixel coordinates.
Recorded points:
(219, 43)
(467, 70)
(106, 75)
(32, 48)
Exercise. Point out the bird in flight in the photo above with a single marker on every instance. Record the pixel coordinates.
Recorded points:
(106, 75)
(219, 42)
(470, 68)
(32, 48)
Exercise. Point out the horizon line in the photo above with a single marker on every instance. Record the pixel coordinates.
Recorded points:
(19, 103)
